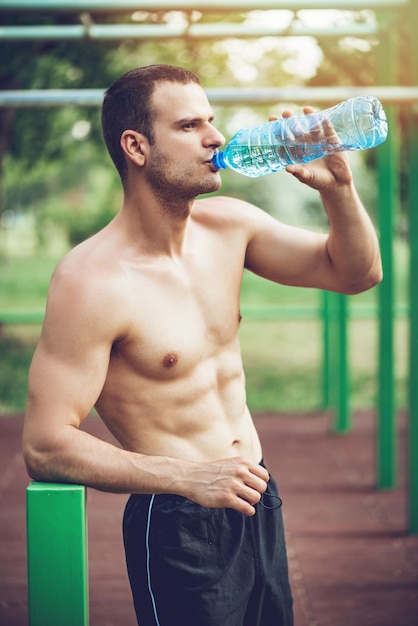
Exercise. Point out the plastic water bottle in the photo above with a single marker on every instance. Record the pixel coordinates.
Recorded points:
(357, 124)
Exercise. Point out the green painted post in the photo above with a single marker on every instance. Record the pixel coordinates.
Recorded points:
(339, 365)
(326, 350)
(335, 359)
(413, 278)
(342, 419)
(334, 350)
(388, 159)
(57, 555)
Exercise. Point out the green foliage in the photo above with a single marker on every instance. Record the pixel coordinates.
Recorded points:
(47, 165)
(85, 208)
(24, 281)
(67, 199)
(15, 357)
(34, 135)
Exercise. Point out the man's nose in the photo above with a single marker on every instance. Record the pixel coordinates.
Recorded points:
(215, 138)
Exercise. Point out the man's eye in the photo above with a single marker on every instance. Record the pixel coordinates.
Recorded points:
(189, 125)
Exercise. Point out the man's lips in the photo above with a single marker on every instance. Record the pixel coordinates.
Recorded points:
(210, 163)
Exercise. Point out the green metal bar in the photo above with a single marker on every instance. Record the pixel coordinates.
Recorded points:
(326, 350)
(57, 555)
(333, 352)
(355, 311)
(386, 427)
(277, 313)
(388, 159)
(335, 360)
(342, 421)
(413, 273)
(21, 317)
(198, 5)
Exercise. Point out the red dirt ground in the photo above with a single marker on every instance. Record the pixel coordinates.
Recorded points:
(352, 561)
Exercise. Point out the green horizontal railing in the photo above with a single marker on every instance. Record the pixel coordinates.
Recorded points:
(21, 317)
(295, 312)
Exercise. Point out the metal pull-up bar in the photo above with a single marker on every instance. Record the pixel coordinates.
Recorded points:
(218, 30)
(214, 6)
(303, 95)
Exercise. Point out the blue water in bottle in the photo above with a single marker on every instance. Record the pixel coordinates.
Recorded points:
(356, 124)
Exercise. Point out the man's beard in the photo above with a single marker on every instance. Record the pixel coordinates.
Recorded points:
(174, 186)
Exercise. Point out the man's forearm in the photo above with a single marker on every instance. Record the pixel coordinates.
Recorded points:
(352, 245)
(75, 456)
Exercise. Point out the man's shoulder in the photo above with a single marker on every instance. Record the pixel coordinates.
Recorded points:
(84, 290)
(85, 268)
(223, 209)
(219, 202)
(80, 259)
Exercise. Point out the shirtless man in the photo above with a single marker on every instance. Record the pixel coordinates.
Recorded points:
(142, 322)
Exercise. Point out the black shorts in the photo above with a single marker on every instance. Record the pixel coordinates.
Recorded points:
(197, 566)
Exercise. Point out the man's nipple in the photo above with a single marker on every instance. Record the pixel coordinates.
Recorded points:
(170, 359)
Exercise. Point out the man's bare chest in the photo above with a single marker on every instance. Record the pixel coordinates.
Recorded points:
(174, 321)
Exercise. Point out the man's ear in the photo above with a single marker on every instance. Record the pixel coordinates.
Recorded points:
(134, 146)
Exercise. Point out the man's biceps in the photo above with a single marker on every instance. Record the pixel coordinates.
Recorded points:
(67, 377)
(72, 355)
(61, 402)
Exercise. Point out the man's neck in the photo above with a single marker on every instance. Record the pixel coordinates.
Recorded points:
(153, 226)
